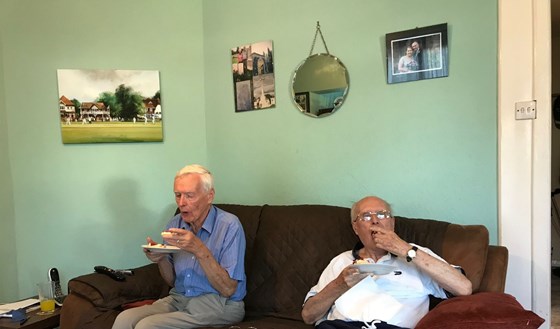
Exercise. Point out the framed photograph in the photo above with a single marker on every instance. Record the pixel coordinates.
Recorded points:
(417, 54)
(253, 76)
(302, 99)
(109, 106)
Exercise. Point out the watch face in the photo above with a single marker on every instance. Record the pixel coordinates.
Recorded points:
(412, 253)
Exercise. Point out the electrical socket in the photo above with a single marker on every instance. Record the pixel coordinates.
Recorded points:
(526, 110)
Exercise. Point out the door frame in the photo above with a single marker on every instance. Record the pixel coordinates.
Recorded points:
(524, 150)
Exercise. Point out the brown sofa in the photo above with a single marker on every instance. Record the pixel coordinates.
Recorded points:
(287, 249)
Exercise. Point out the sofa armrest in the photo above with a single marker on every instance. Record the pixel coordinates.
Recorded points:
(494, 279)
(104, 292)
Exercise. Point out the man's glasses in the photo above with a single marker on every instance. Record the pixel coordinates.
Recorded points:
(369, 215)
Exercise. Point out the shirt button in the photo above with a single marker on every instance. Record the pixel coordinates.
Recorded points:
(192, 257)
(188, 275)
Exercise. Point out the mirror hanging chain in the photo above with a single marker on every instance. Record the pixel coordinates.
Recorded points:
(318, 30)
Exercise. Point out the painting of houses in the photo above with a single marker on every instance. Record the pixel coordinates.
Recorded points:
(109, 106)
(253, 76)
(67, 109)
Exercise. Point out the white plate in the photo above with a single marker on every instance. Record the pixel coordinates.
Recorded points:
(161, 248)
(377, 269)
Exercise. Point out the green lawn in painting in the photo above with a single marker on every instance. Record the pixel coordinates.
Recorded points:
(111, 132)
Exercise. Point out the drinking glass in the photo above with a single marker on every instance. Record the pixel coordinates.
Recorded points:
(46, 297)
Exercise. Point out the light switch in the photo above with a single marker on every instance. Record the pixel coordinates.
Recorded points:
(526, 110)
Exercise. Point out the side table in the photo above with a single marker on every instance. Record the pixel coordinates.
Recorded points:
(34, 321)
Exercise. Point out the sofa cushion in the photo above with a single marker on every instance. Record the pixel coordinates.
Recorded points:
(466, 246)
(427, 233)
(79, 313)
(104, 292)
(293, 246)
(484, 310)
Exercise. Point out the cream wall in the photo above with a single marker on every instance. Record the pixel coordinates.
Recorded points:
(555, 164)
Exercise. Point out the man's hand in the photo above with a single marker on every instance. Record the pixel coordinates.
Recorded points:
(389, 240)
(317, 306)
(351, 276)
(183, 239)
(154, 257)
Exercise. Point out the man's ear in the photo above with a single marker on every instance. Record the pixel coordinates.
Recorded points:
(354, 227)
(211, 194)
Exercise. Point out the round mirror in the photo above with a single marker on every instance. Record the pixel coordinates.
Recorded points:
(320, 85)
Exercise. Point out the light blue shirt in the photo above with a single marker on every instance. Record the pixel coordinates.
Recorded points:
(223, 234)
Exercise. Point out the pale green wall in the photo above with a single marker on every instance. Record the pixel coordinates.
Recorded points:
(428, 147)
(77, 206)
(8, 255)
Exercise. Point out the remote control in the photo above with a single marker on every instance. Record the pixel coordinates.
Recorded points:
(127, 272)
(115, 275)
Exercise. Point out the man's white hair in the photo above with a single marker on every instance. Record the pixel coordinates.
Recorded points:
(205, 175)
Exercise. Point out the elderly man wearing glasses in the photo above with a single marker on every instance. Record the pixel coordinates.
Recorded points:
(384, 282)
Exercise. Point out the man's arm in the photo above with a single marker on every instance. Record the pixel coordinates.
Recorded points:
(317, 306)
(165, 267)
(444, 274)
(217, 276)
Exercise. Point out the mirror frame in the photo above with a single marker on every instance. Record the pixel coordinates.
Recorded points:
(303, 99)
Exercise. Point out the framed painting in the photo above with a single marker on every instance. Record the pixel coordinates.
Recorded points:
(417, 54)
(109, 106)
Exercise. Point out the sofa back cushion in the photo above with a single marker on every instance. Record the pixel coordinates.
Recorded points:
(467, 246)
(462, 245)
(427, 233)
(292, 247)
(249, 216)
(289, 246)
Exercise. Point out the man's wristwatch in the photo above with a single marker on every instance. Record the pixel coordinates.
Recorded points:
(411, 254)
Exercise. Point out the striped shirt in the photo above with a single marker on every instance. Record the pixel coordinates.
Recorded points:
(223, 235)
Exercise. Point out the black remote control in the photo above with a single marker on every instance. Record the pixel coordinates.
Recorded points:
(127, 272)
(115, 275)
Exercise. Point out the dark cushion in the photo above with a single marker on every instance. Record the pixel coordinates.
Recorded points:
(484, 310)
(427, 233)
(467, 246)
(462, 245)
(293, 246)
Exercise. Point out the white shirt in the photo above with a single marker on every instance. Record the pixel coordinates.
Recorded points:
(408, 287)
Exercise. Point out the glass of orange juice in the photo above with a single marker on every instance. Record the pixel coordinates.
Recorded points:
(46, 297)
